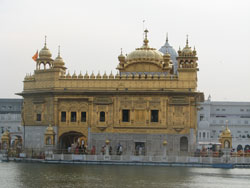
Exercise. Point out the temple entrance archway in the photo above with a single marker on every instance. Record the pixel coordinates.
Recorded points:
(68, 139)
(184, 144)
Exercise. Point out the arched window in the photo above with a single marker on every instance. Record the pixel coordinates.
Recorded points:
(204, 135)
(102, 116)
(47, 66)
(48, 141)
(226, 144)
(41, 66)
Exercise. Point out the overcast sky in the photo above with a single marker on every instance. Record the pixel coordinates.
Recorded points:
(92, 32)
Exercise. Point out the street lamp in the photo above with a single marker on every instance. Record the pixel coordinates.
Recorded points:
(164, 148)
(22, 114)
(107, 147)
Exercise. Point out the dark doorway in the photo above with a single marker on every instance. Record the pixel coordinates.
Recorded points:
(67, 139)
(140, 148)
(184, 144)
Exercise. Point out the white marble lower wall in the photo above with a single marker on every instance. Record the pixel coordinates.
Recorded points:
(170, 159)
(34, 137)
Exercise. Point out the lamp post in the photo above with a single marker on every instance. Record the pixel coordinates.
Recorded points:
(22, 114)
(107, 147)
(164, 148)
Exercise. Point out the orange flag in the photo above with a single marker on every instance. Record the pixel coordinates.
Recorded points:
(35, 56)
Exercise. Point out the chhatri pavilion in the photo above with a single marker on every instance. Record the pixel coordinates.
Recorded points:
(151, 102)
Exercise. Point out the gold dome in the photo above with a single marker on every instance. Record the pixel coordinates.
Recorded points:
(45, 52)
(6, 133)
(58, 62)
(226, 132)
(145, 53)
(187, 51)
(121, 57)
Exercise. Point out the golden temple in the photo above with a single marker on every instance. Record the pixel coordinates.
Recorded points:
(147, 103)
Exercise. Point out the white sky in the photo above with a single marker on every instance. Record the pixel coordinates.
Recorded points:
(91, 33)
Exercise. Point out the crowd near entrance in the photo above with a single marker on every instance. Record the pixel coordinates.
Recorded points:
(73, 142)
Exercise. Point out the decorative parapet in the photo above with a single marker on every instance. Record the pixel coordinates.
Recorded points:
(154, 81)
(29, 77)
(123, 76)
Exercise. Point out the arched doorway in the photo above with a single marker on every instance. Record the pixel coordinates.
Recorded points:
(16, 142)
(247, 148)
(67, 139)
(239, 147)
(184, 144)
(227, 144)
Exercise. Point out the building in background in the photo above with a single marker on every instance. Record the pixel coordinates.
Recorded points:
(10, 117)
(213, 117)
(166, 48)
(149, 104)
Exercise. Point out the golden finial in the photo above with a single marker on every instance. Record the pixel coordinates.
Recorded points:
(146, 38)
(45, 42)
(167, 37)
(121, 51)
(226, 124)
(59, 51)
(187, 41)
(143, 25)
(146, 33)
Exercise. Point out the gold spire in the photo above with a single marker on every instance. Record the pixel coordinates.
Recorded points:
(59, 51)
(121, 57)
(146, 38)
(167, 37)
(187, 41)
(45, 41)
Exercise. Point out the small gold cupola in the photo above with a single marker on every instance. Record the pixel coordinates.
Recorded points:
(226, 138)
(58, 62)
(44, 61)
(122, 60)
(187, 58)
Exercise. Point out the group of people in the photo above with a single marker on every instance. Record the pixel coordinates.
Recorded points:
(77, 148)
(140, 150)
(110, 150)
(81, 148)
